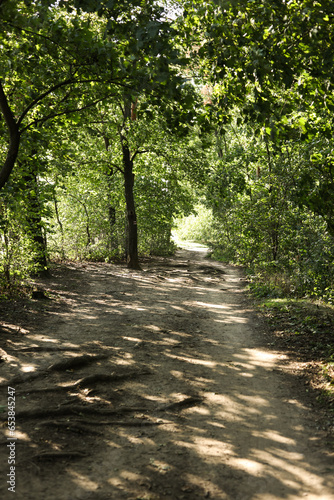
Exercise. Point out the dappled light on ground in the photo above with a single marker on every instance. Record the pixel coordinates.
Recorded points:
(205, 413)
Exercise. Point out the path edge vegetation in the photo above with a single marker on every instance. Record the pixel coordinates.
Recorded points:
(302, 329)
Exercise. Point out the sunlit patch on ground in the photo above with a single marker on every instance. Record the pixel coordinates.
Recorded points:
(188, 402)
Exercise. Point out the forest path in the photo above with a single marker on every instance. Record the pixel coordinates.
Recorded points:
(156, 385)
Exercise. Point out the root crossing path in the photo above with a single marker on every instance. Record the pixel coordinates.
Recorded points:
(158, 384)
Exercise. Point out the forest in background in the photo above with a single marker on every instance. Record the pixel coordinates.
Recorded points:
(120, 120)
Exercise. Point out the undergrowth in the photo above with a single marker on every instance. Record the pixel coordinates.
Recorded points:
(305, 329)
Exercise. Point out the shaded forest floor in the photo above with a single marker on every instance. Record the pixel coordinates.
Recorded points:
(304, 329)
(156, 384)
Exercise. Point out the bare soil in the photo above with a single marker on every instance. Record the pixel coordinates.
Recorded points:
(161, 384)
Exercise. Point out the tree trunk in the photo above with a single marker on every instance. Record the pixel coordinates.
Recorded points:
(111, 209)
(35, 224)
(60, 225)
(132, 240)
(112, 225)
(33, 216)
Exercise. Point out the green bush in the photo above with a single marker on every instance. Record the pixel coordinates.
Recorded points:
(17, 257)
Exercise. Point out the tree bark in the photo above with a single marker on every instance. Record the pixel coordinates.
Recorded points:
(111, 208)
(34, 221)
(132, 240)
(132, 233)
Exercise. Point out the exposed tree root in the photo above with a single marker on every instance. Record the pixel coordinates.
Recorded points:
(42, 348)
(179, 405)
(76, 362)
(51, 455)
(89, 381)
(71, 427)
(211, 270)
(124, 423)
(112, 377)
(53, 388)
(73, 410)
(67, 364)
(89, 410)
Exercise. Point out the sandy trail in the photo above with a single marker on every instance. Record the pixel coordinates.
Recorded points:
(184, 327)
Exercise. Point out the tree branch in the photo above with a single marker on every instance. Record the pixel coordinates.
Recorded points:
(139, 153)
(51, 116)
(14, 139)
(117, 168)
(42, 96)
(64, 83)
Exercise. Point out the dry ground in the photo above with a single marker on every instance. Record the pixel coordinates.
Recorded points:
(160, 384)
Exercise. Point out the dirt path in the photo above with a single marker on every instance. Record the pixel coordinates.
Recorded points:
(155, 385)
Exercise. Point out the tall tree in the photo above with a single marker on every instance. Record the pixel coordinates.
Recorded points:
(274, 61)
(52, 63)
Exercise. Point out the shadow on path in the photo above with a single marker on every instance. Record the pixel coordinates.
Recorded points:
(245, 434)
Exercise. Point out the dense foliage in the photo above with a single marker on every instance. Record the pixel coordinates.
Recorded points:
(119, 118)
(269, 67)
(263, 220)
